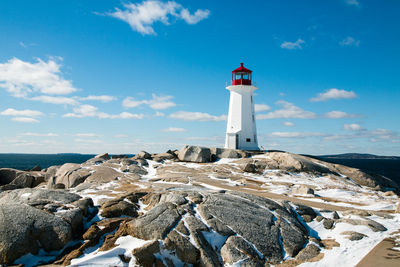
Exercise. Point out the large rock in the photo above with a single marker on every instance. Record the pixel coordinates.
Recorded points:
(267, 231)
(195, 154)
(104, 156)
(24, 229)
(222, 153)
(70, 175)
(23, 180)
(294, 162)
(7, 175)
(156, 223)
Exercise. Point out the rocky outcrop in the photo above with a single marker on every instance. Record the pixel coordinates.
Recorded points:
(226, 153)
(70, 175)
(176, 220)
(34, 219)
(195, 154)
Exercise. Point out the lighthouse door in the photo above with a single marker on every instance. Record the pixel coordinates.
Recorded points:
(233, 141)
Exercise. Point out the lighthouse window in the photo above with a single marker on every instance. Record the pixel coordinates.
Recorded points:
(248, 140)
(246, 76)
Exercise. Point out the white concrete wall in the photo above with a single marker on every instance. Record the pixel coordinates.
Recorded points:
(241, 117)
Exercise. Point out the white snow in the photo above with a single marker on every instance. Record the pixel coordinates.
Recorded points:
(111, 257)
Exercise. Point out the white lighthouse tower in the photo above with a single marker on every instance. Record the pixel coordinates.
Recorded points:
(241, 130)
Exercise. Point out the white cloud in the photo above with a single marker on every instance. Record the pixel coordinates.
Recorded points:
(88, 141)
(91, 111)
(349, 41)
(21, 78)
(288, 123)
(353, 127)
(141, 16)
(293, 45)
(333, 93)
(196, 116)
(288, 111)
(40, 134)
(59, 100)
(24, 113)
(25, 119)
(294, 134)
(261, 107)
(352, 2)
(102, 98)
(174, 130)
(159, 114)
(156, 102)
(86, 135)
(336, 114)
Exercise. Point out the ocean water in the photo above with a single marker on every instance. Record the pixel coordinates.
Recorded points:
(387, 167)
(28, 161)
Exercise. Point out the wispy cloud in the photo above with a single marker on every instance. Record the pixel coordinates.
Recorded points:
(261, 107)
(174, 130)
(288, 123)
(349, 41)
(58, 100)
(24, 113)
(157, 102)
(87, 135)
(353, 127)
(293, 45)
(196, 116)
(142, 16)
(92, 111)
(21, 78)
(337, 114)
(288, 111)
(295, 134)
(101, 98)
(25, 119)
(40, 134)
(333, 93)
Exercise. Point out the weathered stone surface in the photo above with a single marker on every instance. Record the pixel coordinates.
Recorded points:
(116, 208)
(237, 249)
(143, 155)
(23, 180)
(194, 154)
(398, 207)
(70, 175)
(25, 229)
(36, 168)
(249, 167)
(35, 197)
(226, 153)
(373, 225)
(302, 190)
(353, 236)
(104, 156)
(7, 175)
(305, 210)
(308, 253)
(103, 174)
(145, 254)
(264, 233)
(156, 223)
(328, 223)
(293, 162)
(185, 250)
(164, 156)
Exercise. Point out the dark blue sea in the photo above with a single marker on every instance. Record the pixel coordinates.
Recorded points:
(387, 167)
(28, 161)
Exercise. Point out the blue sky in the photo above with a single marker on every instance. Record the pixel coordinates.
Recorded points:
(124, 76)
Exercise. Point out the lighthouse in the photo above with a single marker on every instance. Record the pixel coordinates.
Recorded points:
(241, 130)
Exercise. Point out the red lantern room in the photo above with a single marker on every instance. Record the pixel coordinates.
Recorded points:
(241, 76)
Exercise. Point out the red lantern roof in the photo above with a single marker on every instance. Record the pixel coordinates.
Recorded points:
(241, 69)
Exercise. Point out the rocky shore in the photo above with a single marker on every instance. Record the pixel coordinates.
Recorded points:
(195, 206)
